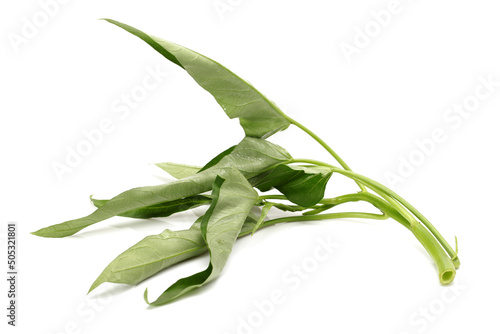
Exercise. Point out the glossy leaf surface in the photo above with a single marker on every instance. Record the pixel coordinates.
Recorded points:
(301, 185)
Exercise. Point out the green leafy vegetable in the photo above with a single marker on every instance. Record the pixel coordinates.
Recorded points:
(152, 254)
(254, 156)
(134, 199)
(232, 200)
(302, 185)
(258, 116)
(160, 210)
(251, 156)
(296, 185)
(157, 252)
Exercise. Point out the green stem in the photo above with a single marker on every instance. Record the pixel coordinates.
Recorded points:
(263, 197)
(326, 147)
(379, 203)
(389, 199)
(329, 203)
(445, 266)
(389, 194)
(379, 187)
(285, 207)
(336, 215)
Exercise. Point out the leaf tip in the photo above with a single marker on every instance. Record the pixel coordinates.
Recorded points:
(93, 201)
(40, 233)
(146, 297)
(51, 232)
(94, 285)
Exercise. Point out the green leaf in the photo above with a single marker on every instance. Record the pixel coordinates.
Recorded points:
(133, 199)
(179, 171)
(265, 210)
(301, 185)
(152, 254)
(258, 116)
(217, 159)
(162, 209)
(232, 200)
(157, 252)
(251, 156)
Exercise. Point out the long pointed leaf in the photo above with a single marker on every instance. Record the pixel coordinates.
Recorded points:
(258, 116)
(152, 254)
(251, 156)
(133, 199)
(160, 210)
(157, 252)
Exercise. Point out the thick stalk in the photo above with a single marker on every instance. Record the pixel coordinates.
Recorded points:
(444, 264)
(377, 186)
(381, 189)
(384, 206)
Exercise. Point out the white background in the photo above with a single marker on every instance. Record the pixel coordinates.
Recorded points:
(395, 91)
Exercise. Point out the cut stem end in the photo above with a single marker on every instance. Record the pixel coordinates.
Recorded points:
(447, 276)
